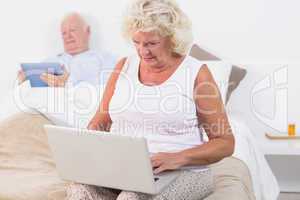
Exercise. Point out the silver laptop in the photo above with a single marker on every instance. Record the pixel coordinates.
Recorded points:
(102, 159)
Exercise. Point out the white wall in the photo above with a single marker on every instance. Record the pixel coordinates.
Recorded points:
(243, 31)
(240, 30)
(248, 30)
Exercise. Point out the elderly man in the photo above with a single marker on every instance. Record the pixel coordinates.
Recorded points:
(79, 62)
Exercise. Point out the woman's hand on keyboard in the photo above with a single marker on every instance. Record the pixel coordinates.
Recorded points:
(167, 161)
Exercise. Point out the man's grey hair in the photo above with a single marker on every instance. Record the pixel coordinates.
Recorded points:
(75, 15)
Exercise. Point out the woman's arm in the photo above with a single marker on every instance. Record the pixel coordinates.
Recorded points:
(212, 117)
(101, 120)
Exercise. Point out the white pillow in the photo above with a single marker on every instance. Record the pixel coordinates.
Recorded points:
(73, 106)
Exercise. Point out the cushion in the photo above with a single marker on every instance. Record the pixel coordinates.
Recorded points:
(27, 169)
(226, 77)
(232, 180)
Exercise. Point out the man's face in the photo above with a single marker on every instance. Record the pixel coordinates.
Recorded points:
(75, 36)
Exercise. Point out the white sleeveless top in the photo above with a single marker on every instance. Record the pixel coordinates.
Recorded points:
(164, 114)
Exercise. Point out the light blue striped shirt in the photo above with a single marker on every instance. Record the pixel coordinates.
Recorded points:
(90, 66)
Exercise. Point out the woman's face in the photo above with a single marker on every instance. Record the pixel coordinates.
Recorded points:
(153, 49)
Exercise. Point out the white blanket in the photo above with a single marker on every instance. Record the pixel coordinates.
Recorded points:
(73, 106)
(10, 103)
(247, 149)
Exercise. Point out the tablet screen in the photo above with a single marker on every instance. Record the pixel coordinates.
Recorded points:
(33, 72)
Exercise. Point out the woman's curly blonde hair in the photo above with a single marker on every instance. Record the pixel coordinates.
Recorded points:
(162, 16)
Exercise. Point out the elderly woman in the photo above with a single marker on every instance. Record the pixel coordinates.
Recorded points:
(169, 98)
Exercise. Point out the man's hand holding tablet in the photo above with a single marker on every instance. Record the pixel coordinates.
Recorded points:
(43, 74)
(56, 80)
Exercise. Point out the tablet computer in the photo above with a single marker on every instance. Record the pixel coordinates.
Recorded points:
(33, 72)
